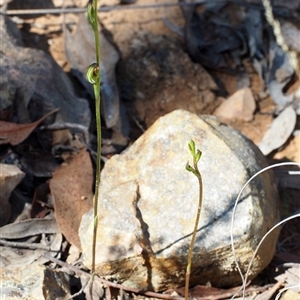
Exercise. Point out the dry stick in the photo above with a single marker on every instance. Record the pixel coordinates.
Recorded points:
(268, 294)
(75, 10)
(106, 282)
(108, 293)
(80, 292)
(144, 293)
(24, 245)
(101, 9)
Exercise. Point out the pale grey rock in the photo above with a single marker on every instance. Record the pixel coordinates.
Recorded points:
(148, 204)
(34, 282)
(238, 107)
(10, 177)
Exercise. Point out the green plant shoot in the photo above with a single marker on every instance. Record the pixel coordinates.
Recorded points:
(196, 154)
(93, 76)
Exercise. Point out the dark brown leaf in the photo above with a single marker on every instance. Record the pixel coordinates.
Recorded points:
(14, 134)
(71, 188)
(40, 203)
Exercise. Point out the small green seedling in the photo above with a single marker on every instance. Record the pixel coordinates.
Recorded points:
(196, 157)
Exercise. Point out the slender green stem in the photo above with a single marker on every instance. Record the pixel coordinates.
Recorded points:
(196, 157)
(190, 254)
(93, 75)
(99, 137)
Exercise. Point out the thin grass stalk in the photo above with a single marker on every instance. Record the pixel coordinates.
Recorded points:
(260, 243)
(232, 225)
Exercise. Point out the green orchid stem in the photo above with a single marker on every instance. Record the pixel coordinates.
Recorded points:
(196, 157)
(93, 76)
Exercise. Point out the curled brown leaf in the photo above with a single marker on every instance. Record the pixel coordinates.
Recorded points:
(14, 134)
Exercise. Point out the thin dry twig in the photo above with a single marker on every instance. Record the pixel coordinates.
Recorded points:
(278, 10)
(32, 246)
(109, 283)
(100, 9)
(80, 292)
(269, 293)
(147, 293)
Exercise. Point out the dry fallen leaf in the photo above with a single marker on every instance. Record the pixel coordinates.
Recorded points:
(280, 130)
(30, 227)
(41, 204)
(290, 295)
(288, 273)
(14, 134)
(202, 292)
(71, 188)
(12, 258)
